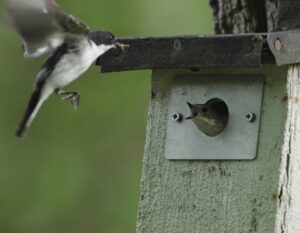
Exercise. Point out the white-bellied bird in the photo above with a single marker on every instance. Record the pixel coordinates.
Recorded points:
(46, 29)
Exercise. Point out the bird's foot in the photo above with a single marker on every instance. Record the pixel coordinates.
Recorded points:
(73, 97)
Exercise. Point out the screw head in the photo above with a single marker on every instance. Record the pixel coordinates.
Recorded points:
(177, 44)
(177, 117)
(250, 117)
(278, 45)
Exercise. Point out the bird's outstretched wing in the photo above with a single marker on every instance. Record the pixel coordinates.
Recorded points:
(42, 25)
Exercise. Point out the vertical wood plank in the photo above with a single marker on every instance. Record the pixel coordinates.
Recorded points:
(288, 218)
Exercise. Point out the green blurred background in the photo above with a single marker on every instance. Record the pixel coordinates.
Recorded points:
(80, 171)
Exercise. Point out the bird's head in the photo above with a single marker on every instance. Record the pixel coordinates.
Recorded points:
(211, 118)
(105, 41)
(199, 110)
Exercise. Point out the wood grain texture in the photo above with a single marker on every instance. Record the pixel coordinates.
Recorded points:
(245, 15)
(212, 196)
(184, 52)
(272, 14)
(288, 217)
(236, 16)
(288, 15)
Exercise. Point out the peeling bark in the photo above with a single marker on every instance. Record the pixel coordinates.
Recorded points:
(239, 16)
(272, 14)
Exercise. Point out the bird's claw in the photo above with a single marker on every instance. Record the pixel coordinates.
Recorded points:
(74, 98)
(75, 101)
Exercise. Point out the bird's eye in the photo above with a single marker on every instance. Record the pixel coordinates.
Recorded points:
(204, 109)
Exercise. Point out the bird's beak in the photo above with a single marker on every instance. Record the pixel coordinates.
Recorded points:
(190, 118)
(191, 106)
(193, 109)
(123, 47)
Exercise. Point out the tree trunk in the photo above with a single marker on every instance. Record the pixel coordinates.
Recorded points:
(239, 16)
(242, 16)
(272, 14)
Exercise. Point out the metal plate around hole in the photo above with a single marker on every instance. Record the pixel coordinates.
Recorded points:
(243, 94)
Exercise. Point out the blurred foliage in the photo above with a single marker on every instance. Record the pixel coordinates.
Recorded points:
(79, 171)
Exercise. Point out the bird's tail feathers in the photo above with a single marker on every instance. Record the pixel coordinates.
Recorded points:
(36, 100)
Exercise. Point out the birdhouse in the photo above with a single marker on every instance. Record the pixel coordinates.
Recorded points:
(227, 75)
(222, 146)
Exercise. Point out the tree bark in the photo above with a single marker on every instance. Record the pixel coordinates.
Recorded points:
(272, 14)
(239, 16)
(243, 16)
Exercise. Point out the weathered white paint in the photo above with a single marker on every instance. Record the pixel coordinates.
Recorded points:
(288, 217)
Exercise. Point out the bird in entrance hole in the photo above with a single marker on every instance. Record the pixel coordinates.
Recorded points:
(211, 118)
(45, 29)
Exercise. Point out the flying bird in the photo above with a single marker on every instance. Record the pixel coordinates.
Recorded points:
(46, 29)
